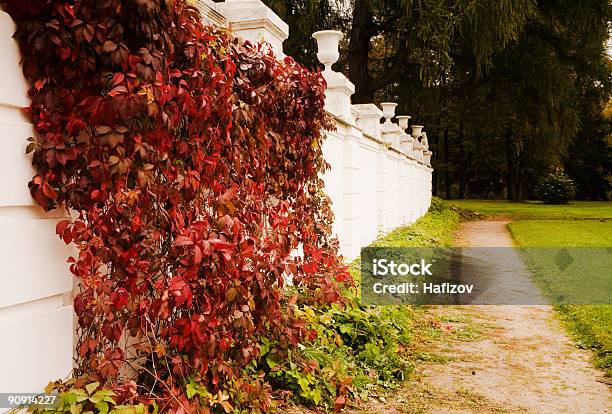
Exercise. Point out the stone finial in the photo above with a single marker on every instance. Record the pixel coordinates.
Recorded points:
(426, 152)
(427, 157)
(406, 140)
(417, 151)
(339, 88)
(327, 44)
(424, 141)
(416, 131)
(402, 121)
(391, 132)
(388, 111)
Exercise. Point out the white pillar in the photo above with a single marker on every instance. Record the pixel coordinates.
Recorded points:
(339, 88)
(417, 150)
(406, 140)
(368, 119)
(253, 20)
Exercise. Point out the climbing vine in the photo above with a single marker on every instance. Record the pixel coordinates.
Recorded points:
(190, 162)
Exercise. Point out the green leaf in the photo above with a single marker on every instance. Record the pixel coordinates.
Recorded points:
(102, 407)
(190, 390)
(92, 387)
(270, 361)
(75, 408)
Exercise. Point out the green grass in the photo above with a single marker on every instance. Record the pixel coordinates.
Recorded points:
(591, 324)
(566, 233)
(578, 224)
(433, 229)
(537, 210)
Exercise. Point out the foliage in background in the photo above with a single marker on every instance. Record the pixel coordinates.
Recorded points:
(507, 89)
(191, 162)
(556, 188)
(305, 17)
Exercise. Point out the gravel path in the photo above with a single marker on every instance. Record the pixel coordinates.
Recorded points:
(524, 362)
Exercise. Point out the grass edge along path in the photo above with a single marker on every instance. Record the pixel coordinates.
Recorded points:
(533, 210)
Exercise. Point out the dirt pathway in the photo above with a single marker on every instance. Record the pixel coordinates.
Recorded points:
(523, 362)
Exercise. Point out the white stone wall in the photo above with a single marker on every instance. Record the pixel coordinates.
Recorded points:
(373, 188)
(36, 317)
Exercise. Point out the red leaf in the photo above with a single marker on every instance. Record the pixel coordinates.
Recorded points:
(40, 83)
(229, 194)
(49, 191)
(118, 90)
(109, 46)
(117, 79)
(182, 241)
(61, 226)
(64, 52)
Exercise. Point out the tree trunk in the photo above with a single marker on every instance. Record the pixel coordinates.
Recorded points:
(359, 51)
(510, 170)
(463, 164)
(447, 184)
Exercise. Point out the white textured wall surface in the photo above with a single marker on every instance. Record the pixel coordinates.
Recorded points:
(36, 318)
(373, 188)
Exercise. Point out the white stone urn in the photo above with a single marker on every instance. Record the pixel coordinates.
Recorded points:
(327, 44)
(388, 111)
(406, 140)
(416, 131)
(402, 120)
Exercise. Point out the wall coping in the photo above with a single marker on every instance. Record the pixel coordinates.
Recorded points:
(378, 141)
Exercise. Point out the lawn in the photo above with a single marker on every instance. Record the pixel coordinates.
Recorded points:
(537, 210)
(579, 224)
(566, 233)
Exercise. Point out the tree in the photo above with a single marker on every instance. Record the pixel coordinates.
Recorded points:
(506, 88)
(388, 37)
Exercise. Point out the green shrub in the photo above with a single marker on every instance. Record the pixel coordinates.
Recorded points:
(356, 349)
(556, 188)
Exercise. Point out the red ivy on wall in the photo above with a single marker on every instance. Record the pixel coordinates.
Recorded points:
(191, 164)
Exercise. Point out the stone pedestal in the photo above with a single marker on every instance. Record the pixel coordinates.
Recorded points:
(427, 157)
(338, 95)
(368, 119)
(253, 20)
(391, 134)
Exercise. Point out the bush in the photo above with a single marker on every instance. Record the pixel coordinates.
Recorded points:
(556, 188)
